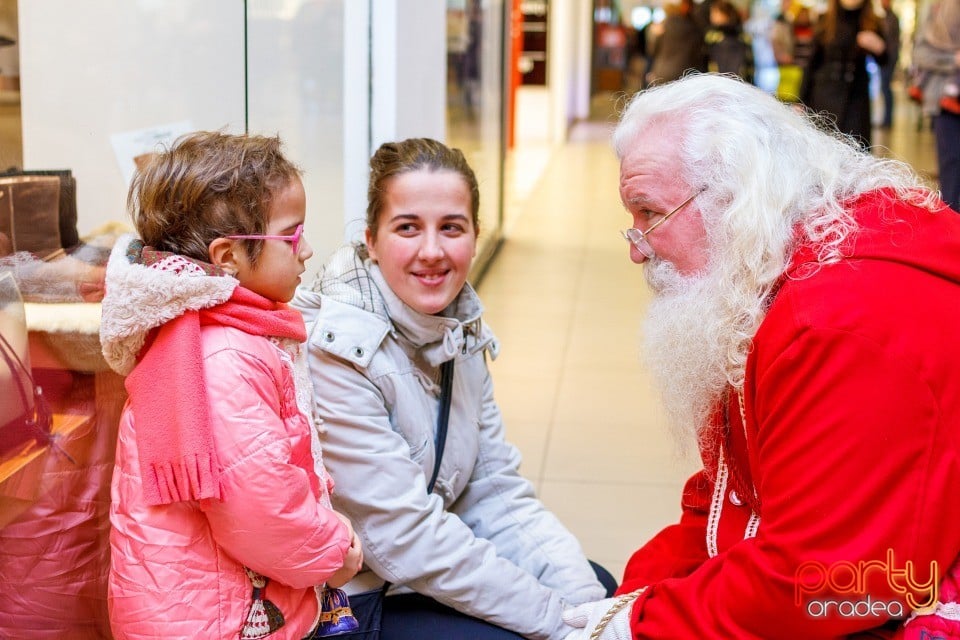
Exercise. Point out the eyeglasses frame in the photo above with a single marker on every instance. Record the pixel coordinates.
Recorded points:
(294, 239)
(633, 231)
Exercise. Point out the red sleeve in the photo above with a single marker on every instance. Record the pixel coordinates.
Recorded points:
(855, 460)
(678, 549)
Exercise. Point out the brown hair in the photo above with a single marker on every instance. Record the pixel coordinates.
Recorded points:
(208, 185)
(729, 11)
(414, 154)
(869, 20)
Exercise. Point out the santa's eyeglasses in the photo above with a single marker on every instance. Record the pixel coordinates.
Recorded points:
(638, 238)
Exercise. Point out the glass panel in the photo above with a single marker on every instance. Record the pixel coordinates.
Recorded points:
(104, 82)
(296, 88)
(474, 105)
(100, 72)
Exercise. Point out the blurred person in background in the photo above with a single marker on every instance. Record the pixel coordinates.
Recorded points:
(677, 44)
(937, 56)
(891, 34)
(729, 47)
(837, 82)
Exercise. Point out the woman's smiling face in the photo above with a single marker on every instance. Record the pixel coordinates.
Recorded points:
(425, 239)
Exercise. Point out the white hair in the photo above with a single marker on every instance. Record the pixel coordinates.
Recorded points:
(771, 173)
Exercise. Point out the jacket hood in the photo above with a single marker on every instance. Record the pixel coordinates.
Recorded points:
(350, 278)
(889, 229)
(344, 277)
(139, 298)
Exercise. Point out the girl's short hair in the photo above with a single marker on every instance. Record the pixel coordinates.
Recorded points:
(414, 154)
(208, 185)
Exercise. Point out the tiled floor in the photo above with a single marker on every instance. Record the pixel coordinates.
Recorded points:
(566, 303)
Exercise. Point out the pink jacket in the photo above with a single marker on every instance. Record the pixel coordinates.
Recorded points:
(177, 570)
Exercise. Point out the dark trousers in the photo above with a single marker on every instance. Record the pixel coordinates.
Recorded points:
(946, 130)
(414, 617)
(886, 77)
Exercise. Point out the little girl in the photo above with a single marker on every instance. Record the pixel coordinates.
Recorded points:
(221, 518)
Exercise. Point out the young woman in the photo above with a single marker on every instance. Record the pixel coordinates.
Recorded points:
(221, 519)
(836, 81)
(479, 556)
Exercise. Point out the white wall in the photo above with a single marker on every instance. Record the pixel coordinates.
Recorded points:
(408, 52)
(407, 86)
(356, 107)
(569, 51)
(582, 60)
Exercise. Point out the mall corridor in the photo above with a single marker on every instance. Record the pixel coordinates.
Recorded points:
(566, 303)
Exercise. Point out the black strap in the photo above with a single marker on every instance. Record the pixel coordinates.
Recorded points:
(446, 386)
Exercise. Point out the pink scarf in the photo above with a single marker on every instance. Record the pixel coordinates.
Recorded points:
(168, 396)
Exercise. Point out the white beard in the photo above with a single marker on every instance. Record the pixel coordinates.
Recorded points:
(687, 338)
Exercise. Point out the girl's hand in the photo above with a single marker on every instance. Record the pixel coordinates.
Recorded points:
(352, 563)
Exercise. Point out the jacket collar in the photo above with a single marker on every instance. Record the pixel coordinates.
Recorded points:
(458, 328)
(350, 278)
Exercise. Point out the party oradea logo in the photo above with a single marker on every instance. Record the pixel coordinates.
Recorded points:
(841, 588)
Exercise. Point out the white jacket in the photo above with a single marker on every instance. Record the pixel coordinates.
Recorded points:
(481, 543)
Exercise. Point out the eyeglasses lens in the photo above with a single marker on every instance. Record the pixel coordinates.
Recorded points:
(639, 240)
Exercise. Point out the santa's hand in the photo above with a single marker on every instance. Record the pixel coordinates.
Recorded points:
(612, 616)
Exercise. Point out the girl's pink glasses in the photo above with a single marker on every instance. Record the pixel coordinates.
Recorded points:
(294, 239)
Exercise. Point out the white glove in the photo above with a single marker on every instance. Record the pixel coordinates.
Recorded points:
(585, 618)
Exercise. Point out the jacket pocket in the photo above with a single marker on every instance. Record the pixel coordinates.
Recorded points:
(418, 447)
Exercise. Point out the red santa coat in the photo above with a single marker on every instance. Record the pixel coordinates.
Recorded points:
(805, 518)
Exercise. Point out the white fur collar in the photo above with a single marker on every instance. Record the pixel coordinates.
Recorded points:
(139, 299)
